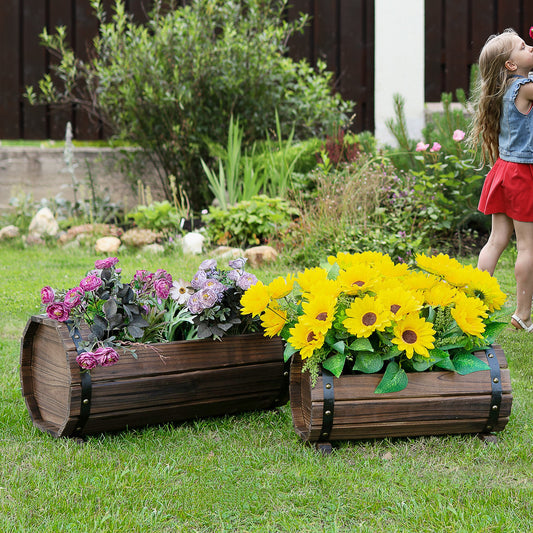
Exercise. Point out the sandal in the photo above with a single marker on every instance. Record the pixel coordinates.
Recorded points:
(518, 323)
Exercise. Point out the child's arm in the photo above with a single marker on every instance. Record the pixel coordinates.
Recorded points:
(524, 98)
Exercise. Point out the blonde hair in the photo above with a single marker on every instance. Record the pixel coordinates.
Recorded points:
(493, 80)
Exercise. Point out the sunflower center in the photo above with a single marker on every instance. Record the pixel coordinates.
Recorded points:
(358, 283)
(322, 316)
(311, 337)
(395, 308)
(369, 319)
(409, 336)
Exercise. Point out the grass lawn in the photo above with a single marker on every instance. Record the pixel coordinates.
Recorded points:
(246, 473)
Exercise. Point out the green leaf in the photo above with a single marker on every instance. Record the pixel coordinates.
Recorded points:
(335, 364)
(445, 364)
(466, 363)
(368, 362)
(392, 352)
(493, 330)
(394, 379)
(361, 345)
(288, 352)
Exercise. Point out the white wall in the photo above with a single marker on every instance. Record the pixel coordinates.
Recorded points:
(399, 64)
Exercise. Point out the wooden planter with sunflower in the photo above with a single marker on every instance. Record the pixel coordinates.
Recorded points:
(381, 349)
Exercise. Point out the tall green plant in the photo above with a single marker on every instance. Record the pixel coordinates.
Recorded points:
(170, 85)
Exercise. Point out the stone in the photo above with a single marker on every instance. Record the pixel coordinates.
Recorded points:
(259, 255)
(192, 243)
(43, 223)
(139, 237)
(107, 245)
(9, 232)
(227, 252)
(154, 248)
(103, 230)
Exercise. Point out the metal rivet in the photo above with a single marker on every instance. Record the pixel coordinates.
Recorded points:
(491, 355)
(328, 413)
(494, 407)
(496, 380)
(285, 374)
(86, 401)
(325, 434)
(78, 429)
(328, 385)
(489, 427)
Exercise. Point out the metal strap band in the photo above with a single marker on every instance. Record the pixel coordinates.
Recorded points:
(496, 384)
(86, 383)
(329, 405)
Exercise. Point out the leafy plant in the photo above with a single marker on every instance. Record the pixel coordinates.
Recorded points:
(250, 222)
(171, 85)
(160, 217)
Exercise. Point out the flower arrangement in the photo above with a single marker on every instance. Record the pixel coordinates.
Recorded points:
(151, 308)
(365, 313)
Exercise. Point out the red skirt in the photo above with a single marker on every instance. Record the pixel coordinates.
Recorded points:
(508, 189)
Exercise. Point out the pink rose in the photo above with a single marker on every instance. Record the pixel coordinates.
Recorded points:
(458, 135)
(106, 356)
(90, 283)
(162, 288)
(436, 147)
(421, 147)
(73, 297)
(106, 263)
(57, 311)
(47, 295)
(87, 360)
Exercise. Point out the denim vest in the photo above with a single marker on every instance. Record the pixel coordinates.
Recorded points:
(516, 129)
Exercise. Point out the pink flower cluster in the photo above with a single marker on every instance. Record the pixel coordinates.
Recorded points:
(103, 356)
(458, 136)
(149, 284)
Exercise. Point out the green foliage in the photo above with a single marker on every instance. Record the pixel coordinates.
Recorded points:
(160, 217)
(250, 222)
(171, 85)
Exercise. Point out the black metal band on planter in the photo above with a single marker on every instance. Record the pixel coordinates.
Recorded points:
(86, 383)
(329, 405)
(496, 384)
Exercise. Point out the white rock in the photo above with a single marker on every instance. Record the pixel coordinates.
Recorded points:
(43, 223)
(9, 232)
(107, 245)
(192, 243)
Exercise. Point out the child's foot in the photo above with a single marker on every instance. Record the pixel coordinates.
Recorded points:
(518, 323)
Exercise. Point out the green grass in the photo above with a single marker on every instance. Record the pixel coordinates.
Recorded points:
(246, 473)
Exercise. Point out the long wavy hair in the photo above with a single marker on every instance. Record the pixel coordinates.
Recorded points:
(492, 82)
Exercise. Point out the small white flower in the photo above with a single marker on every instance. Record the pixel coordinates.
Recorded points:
(180, 291)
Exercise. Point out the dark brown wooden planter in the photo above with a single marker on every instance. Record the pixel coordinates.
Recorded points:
(168, 382)
(434, 403)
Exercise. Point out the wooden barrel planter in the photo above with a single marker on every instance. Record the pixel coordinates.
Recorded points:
(168, 382)
(434, 403)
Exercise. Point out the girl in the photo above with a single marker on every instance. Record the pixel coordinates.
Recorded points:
(503, 126)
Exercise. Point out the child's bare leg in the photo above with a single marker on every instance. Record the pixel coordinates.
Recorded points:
(500, 234)
(524, 269)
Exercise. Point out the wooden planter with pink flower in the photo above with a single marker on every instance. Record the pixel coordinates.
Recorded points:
(109, 355)
(379, 349)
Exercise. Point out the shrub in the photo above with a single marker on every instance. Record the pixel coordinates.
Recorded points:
(171, 84)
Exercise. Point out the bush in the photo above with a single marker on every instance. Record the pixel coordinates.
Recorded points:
(172, 84)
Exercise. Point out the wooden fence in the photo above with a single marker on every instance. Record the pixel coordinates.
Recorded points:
(341, 33)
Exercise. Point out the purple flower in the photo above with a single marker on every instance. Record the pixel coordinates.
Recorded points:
(199, 279)
(234, 275)
(87, 360)
(214, 285)
(195, 304)
(162, 274)
(58, 311)
(162, 288)
(73, 297)
(246, 281)
(47, 295)
(143, 276)
(106, 263)
(237, 263)
(208, 264)
(90, 283)
(208, 297)
(106, 356)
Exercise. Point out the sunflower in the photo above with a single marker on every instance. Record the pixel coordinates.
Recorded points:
(366, 315)
(441, 295)
(319, 312)
(255, 300)
(273, 319)
(306, 339)
(310, 277)
(484, 286)
(419, 281)
(281, 286)
(357, 279)
(398, 300)
(469, 314)
(439, 264)
(413, 334)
